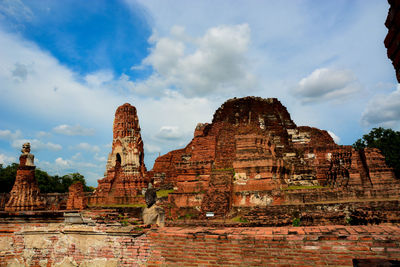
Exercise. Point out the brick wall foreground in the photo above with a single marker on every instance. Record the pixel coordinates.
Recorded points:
(58, 244)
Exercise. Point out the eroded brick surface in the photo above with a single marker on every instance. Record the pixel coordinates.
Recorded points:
(270, 246)
(76, 197)
(125, 175)
(25, 194)
(51, 244)
(253, 151)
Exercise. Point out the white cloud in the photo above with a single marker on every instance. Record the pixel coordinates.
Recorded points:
(65, 164)
(20, 72)
(55, 93)
(9, 135)
(334, 136)
(213, 63)
(42, 134)
(61, 162)
(5, 160)
(98, 78)
(100, 158)
(15, 9)
(151, 149)
(77, 156)
(169, 133)
(383, 110)
(87, 147)
(326, 84)
(85, 165)
(73, 130)
(36, 145)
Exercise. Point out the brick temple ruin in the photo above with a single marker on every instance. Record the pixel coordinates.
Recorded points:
(254, 155)
(251, 163)
(126, 174)
(25, 194)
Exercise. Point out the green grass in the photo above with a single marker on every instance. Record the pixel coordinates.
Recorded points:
(296, 187)
(239, 219)
(186, 216)
(164, 193)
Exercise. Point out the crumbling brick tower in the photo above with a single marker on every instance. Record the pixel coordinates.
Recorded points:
(25, 194)
(125, 174)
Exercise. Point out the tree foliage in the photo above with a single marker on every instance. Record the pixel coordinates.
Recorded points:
(387, 141)
(47, 183)
(7, 177)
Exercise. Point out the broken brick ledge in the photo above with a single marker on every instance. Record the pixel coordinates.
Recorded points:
(335, 232)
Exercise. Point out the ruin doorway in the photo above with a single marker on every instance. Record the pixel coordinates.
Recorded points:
(118, 160)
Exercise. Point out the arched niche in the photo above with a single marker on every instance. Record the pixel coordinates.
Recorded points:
(118, 159)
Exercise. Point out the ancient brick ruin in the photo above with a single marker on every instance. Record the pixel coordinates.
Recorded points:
(65, 245)
(253, 163)
(254, 155)
(25, 194)
(76, 197)
(392, 40)
(125, 174)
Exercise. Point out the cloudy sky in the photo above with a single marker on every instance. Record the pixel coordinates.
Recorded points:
(65, 66)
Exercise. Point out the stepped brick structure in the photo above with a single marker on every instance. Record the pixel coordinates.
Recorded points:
(392, 40)
(253, 154)
(76, 197)
(25, 194)
(125, 174)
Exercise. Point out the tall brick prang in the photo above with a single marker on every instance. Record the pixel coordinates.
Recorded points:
(125, 174)
(25, 194)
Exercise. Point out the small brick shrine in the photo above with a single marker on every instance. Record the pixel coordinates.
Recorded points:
(25, 194)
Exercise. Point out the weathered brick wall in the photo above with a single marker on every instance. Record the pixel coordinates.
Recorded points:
(44, 244)
(292, 246)
(338, 195)
(76, 197)
(52, 201)
(41, 244)
(371, 212)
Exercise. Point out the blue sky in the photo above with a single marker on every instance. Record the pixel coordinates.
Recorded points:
(65, 66)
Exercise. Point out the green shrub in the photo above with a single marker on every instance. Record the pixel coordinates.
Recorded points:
(296, 222)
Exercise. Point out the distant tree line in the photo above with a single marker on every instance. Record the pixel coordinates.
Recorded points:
(387, 141)
(47, 183)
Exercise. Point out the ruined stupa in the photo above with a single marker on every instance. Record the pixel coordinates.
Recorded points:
(125, 174)
(254, 155)
(25, 194)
